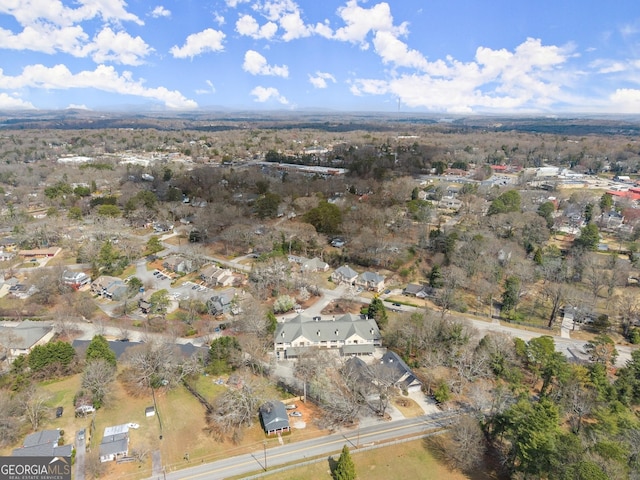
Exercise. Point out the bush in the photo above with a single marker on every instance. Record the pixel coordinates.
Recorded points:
(634, 336)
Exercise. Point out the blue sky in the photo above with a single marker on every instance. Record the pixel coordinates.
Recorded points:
(441, 56)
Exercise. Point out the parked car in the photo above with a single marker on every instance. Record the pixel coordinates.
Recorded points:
(295, 414)
(291, 406)
(81, 434)
(59, 411)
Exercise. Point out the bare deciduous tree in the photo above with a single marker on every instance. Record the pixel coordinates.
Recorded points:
(97, 376)
(34, 404)
(234, 410)
(464, 447)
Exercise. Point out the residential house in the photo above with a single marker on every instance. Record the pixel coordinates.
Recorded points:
(6, 255)
(215, 276)
(6, 285)
(24, 336)
(22, 291)
(274, 418)
(119, 347)
(8, 244)
(109, 287)
(315, 265)
(43, 444)
(144, 305)
(178, 264)
(403, 376)
(309, 265)
(75, 279)
(221, 303)
(371, 281)
(40, 252)
(351, 334)
(115, 443)
(344, 274)
(419, 291)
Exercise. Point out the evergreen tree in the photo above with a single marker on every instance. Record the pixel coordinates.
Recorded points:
(345, 469)
(435, 277)
(99, 348)
(378, 312)
(511, 294)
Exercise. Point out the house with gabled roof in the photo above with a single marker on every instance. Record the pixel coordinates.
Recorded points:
(43, 444)
(404, 377)
(25, 336)
(349, 334)
(371, 281)
(344, 274)
(314, 265)
(274, 418)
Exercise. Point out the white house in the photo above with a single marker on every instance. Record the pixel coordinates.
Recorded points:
(115, 443)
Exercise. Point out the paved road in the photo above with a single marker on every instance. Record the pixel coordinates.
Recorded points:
(376, 434)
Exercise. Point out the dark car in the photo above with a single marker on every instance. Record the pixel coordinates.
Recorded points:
(59, 411)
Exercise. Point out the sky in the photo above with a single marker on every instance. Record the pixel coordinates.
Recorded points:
(433, 56)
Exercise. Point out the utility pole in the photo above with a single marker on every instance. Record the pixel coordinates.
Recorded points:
(264, 444)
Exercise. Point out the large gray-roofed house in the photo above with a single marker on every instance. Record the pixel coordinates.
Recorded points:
(43, 444)
(119, 348)
(26, 335)
(371, 281)
(404, 377)
(274, 418)
(344, 274)
(352, 334)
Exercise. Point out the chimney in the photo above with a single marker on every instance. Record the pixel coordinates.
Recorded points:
(337, 332)
(318, 333)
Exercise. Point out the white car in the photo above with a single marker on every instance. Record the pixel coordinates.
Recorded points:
(133, 425)
(295, 414)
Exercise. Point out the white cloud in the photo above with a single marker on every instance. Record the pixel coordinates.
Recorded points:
(219, 19)
(248, 26)
(360, 21)
(8, 102)
(530, 77)
(73, 106)
(625, 100)
(160, 11)
(203, 91)
(46, 38)
(30, 12)
(104, 78)
(264, 94)
(294, 27)
(235, 3)
(256, 64)
(392, 50)
(209, 40)
(320, 79)
(120, 47)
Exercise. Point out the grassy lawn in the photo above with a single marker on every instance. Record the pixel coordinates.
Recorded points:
(408, 407)
(405, 460)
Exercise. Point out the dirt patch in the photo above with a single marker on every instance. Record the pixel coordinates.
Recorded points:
(340, 307)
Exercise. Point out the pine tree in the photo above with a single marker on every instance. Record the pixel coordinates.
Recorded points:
(345, 469)
(99, 348)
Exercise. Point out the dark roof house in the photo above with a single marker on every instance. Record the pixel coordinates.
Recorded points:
(274, 418)
(43, 444)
